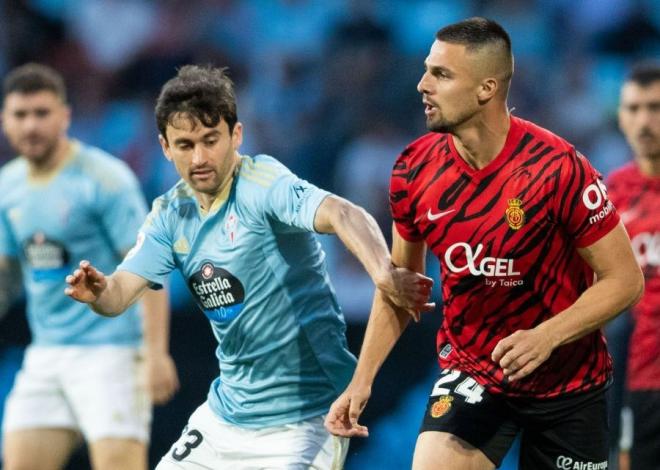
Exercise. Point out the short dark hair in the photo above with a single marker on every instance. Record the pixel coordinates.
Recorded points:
(205, 93)
(32, 78)
(644, 73)
(475, 33)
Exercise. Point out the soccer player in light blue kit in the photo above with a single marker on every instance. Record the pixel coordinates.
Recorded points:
(240, 229)
(61, 201)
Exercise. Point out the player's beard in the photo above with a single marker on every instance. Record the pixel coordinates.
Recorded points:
(647, 145)
(39, 154)
(444, 125)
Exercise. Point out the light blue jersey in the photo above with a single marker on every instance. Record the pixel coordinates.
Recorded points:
(91, 208)
(260, 277)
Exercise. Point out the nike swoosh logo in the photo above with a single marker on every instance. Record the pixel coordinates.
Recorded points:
(433, 216)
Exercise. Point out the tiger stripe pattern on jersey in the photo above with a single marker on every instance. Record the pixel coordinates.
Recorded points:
(507, 237)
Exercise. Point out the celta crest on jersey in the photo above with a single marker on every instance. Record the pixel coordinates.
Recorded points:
(515, 215)
(218, 292)
(47, 258)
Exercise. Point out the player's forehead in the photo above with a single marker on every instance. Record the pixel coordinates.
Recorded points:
(635, 93)
(35, 99)
(186, 125)
(450, 56)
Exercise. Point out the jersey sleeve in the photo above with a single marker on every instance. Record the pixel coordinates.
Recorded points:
(152, 256)
(400, 207)
(293, 202)
(122, 209)
(582, 204)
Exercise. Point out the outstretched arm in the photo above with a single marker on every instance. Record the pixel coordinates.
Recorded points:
(360, 233)
(619, 285)
(386, 324)
(106, 295)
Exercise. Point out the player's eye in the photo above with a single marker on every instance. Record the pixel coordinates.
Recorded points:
(42, 112)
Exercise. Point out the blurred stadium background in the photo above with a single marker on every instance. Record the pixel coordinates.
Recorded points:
(328, 87)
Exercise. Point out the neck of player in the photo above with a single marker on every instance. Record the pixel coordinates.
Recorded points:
(206, 200)
(45, 166)
(649, 166)
(480, 140)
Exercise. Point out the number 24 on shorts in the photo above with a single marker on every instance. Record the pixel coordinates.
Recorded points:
(468, 388)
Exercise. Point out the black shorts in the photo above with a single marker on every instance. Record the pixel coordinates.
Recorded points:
(557, 433)
(645, 451)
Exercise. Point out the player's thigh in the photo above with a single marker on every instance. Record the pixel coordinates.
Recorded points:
(38, 449)
(113, 453)
(195, 449)
(440, 450)
(478, 421)
(645, 451)
(106, 388)
(36, 400)
(566, 433)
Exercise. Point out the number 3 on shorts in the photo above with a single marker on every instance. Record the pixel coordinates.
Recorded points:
(186, 443)
(468, 388)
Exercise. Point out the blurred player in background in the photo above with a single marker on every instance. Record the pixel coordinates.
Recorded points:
(240, 229)
(62, 201)
(520, 222)
(635, 189)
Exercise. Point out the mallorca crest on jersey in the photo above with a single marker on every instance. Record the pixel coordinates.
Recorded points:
(442, 406)
(514, 214)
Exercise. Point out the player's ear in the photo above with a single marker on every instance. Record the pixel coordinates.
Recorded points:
(66, 118)
(487, 89)
(165, 145)
(237, 135)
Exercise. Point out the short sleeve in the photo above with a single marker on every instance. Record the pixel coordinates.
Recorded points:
(152, 256)
(293, 201)
(582, 204)
(122, 209)
(400, 207)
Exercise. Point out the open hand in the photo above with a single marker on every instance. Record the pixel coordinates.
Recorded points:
(86, 283)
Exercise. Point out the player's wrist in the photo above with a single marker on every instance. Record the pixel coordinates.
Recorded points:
(383, 277)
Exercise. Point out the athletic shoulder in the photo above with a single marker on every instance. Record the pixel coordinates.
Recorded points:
(256, 175)
(421, 149)
(626, 174)
(544, 140)
(13, 172)
(179, 195)
(111, 173)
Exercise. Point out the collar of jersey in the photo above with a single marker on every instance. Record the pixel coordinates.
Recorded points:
(512, 139)
(221, 198)
(48, 177)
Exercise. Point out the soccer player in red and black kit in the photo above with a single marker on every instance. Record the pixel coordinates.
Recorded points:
(635, 189)
(522, 226)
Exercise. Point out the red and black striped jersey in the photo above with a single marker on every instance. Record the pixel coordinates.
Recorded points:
(637, 198)
(506, 237)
